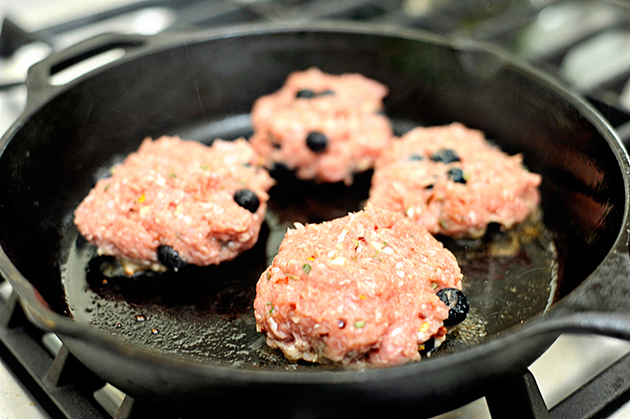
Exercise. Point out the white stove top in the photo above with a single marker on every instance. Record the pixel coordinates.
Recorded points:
(567, 365)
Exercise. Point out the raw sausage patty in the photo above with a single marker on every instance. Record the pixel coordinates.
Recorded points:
(325, 127)
(450, 180)
(358, 289)
(178, 196)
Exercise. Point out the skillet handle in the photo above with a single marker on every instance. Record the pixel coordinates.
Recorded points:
(601, 304)
(38, 80)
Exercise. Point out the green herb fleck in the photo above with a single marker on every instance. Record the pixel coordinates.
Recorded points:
(356, 243)
(434, 285)
(360, 324)
(171, 175)
(272, 308)
(205, 167)
(107, 187)
(376, 256)
(268, 274)
(384, 245)
(306, 268)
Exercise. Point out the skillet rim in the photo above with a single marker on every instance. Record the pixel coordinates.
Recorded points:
(37, 311)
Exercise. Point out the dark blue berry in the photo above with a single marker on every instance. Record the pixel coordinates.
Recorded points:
(445, 155)
(456, 175)
(247, 199)
(317, 141)
(457, 303)
(281, 167)
(305, 94)
(169, 257)
(309, 94)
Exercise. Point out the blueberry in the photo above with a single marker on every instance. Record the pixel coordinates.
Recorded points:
(456, 175)
(445, 155)
(317, 141)
(247, 199)
(457, 303)
(305, 94)
(416, 157)
(281, 167)
(169, 257)
(309, 94)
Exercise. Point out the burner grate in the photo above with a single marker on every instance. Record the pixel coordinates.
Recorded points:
(62, 385)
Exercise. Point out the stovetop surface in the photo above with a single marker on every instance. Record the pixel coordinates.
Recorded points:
(584, 43)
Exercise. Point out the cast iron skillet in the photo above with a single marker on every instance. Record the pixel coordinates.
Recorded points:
(189, 339)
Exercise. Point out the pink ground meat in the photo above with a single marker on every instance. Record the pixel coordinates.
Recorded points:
(458, 198)
(360, 289)
(180, 194)
(343, 108)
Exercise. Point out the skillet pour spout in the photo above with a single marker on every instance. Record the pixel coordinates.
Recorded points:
(200, 85)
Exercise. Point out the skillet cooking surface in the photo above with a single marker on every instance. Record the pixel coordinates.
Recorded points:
(206, 312)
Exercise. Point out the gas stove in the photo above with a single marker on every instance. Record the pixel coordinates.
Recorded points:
(586, 44)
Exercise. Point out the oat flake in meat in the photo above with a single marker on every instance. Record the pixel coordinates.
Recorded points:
(180, 196)
(326, 127)
(450, 180)
(356, 290)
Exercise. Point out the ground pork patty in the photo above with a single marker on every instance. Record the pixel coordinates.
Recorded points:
(181, 194)
(358, 289)
(450, 180)
(326, 127)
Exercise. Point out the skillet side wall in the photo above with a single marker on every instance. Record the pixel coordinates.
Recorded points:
(446, 385)
(49, 165)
